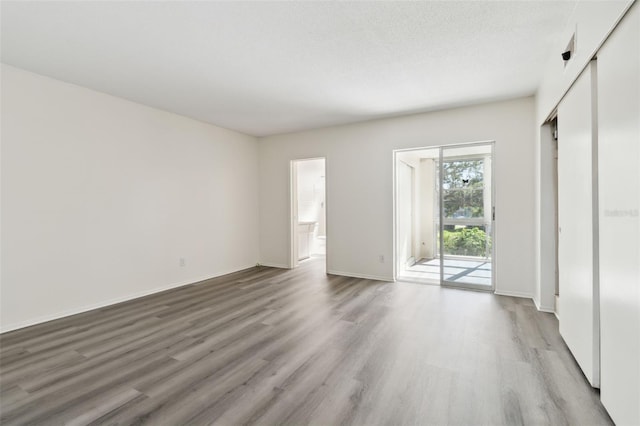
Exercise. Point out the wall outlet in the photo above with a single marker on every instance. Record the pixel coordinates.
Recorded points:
(183, 262)
(381, 258)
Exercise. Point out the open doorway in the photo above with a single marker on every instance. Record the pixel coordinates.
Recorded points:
(308, 211)
(548, 267)
(444, 215)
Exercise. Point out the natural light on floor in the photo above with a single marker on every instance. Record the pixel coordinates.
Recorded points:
(457, 271)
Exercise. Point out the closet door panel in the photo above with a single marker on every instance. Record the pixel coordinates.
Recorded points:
(578, 296)
(619, 192)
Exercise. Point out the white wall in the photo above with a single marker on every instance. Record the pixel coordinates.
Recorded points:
(101, 197)
(360, 186)
(412, 204)
(405, 210)
(427, 208)
(619, 195)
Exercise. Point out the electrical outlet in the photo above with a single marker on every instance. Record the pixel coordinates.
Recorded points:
(183, 262)
(381, 258)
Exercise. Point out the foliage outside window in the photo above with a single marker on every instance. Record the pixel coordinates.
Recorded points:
(467, 241)
(463, 185)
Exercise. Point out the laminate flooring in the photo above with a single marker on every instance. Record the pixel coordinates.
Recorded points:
(270, 346)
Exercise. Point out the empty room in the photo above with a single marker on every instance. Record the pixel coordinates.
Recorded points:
(318, 212)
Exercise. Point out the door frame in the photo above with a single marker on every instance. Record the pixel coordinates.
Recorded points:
(494, 228)
(470, 286)
(293, 211)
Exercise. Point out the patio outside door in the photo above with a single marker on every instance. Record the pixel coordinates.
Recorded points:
(466, 216)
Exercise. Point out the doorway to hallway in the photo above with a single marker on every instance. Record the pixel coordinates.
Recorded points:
(444, 215)
(308, 210)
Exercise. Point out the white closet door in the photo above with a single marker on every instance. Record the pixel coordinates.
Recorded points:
(577, 282)
(619, 189)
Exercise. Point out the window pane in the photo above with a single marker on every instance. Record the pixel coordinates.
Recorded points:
(463, 189)
(460, 240)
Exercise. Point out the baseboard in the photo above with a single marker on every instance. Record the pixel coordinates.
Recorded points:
(274, 265)
(547, 309)
(91, 307)
(365, 276)
(521, 294)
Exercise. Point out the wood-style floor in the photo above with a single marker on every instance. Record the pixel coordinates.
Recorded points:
(269, 346)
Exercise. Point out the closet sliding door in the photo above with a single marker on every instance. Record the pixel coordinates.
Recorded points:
(577, 223)
(619, 192)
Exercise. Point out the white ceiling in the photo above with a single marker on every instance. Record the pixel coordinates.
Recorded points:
(264, 68)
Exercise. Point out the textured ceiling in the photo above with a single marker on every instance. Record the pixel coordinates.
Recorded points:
(273, 67)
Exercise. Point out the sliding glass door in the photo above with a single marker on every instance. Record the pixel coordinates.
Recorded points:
(465, 227)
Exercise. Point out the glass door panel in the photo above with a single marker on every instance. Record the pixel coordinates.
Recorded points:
(466, 220)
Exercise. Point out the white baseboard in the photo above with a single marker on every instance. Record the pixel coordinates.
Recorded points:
(275, 265)
(91, 307)
(365, 276)
(521, 294)
(547, 309)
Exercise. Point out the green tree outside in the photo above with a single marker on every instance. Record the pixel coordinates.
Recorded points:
(469, 241)
(463, 188)
(463, 198)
